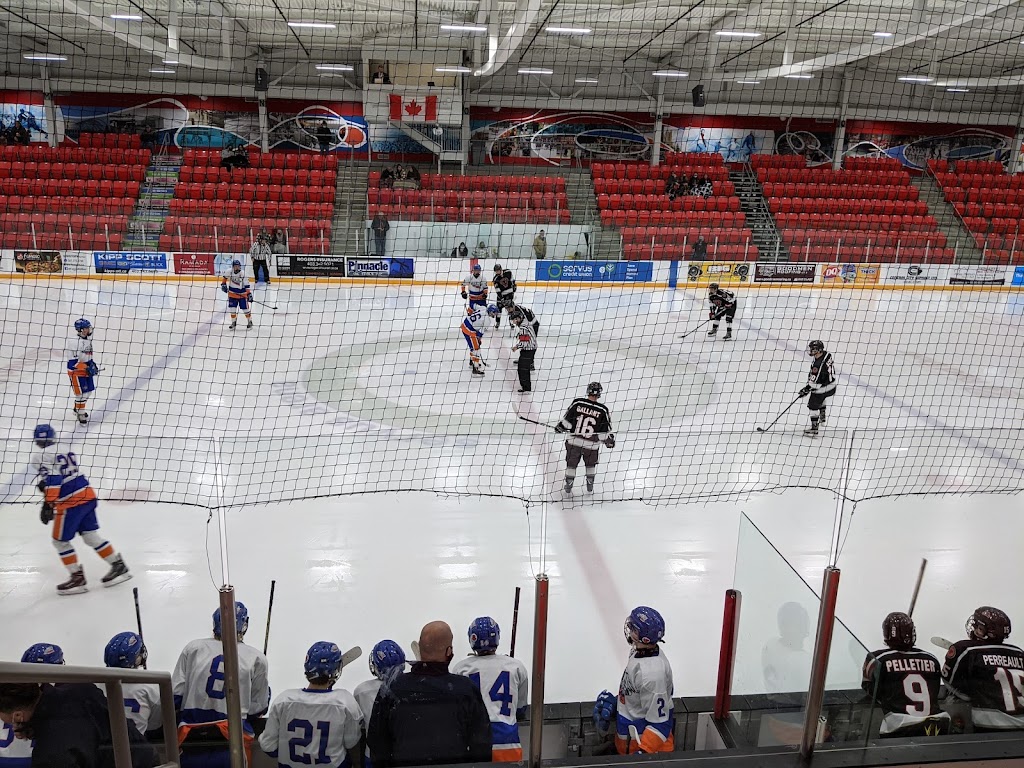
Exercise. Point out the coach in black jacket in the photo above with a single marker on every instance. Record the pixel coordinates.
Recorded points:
(428, 716)
(70, 726)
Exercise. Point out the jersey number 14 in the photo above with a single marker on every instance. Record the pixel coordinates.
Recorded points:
(501, 691)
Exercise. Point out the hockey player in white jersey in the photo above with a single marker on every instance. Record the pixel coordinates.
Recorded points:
(643, 712)
(503, 686)
(199, 685)
(318, 724)
(235, 284)
(15, 747)
(473, 332)
(474, 288)
(141, 700)
(82, 369)
(387, 659)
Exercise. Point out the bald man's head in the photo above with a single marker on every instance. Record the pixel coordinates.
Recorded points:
(436, 642)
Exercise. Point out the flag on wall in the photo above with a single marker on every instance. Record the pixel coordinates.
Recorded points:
(414, 109)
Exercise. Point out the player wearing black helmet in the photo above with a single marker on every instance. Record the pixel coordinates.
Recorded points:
(723, 304)
(988, 672)
(504, 290)
(904, 682)
(588, 423)
(821, 385)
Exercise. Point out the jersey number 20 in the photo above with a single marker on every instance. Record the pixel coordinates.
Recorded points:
(500, 692)
(297, 744)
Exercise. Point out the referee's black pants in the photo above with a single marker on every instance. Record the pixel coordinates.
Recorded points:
(525, 363)
(257, 266)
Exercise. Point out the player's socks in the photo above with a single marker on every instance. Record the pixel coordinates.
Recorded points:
(821, 417)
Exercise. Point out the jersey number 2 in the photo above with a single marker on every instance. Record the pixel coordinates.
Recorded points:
(500, 692)
(297, 743)
(1011, 681)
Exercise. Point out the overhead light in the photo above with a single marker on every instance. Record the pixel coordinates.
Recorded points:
(44, 57)
(881, 34)
(670, 73)
(536, 72)
(463, 27)
(568, 30)
(125, 17)
(749, 82)
(959, 90)
(455, 70)
(311, 25)
(915, 79)
(335, 67)
(798, 77)
(736, 33)
(169, 61)
(586, 80)
(161, 71)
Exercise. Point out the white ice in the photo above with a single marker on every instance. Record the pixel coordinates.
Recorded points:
(366, 391)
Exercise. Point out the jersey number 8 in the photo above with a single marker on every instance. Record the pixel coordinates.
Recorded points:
(215, 682)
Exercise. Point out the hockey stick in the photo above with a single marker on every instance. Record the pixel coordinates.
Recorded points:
(917, 586)
(263, 304)
(941, 642)
(765, 429)
(138, 617)
(270, 611)
(533, 421)
(515, 624)
(350, 655)
(690, 333)
(415, 645)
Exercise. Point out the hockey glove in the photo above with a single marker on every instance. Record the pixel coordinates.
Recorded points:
(46, 513)
(465, 295)
(560, 428)
(604, 711)
(41, 485)
(805, 391)
(224, 287)
(91, 368)
(609, 442)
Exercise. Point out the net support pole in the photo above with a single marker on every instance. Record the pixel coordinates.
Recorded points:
(819, 664)
(261, 103)
(49, 108)
(840, 137)
(727, 653)
(229, 640)
(659, 114)
(540, 643)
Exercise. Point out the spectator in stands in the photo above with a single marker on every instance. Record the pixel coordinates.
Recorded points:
(278, 244)
(325, 136)
(693, 186)
(234, 157)
(481, 251)
(672, 186)
(414, 174)
(462, 252)
(401, 174)
(700, 249)
(260, 254)
(380, 77)
(706, 189)
(380, 227)
(387, 178)
(540, 245)
(20, 134)
(429, 716)
(69, 725)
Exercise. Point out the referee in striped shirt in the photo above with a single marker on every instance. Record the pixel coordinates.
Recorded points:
(526, 343)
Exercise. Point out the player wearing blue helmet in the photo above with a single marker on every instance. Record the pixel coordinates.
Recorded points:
(198, 682)
(333, 710)
(386, 659)
(82, 369)
(15, 749)
(43, 653)
(235, 284)
(644, 702)
(503, 685)
(125, 650)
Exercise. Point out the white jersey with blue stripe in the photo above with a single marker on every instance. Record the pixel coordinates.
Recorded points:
(82, 350)
(474, 322)
(505, 690)
(142, 705)
(14, 752)
(199, 684)
(306, 726)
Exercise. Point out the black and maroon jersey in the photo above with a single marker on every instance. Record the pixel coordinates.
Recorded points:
(905, 685)
(990, 676)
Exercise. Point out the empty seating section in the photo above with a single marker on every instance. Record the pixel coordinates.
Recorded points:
(632, 197)
(216, 209)
(990, 202)
(110, 140)
(867, 212)
(69, 197)
(507, 199)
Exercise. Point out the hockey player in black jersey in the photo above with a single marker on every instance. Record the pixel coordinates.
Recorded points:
(588, 423)
(988, 672)
(504, 290)
(821, 385)
(904, 682)
(723, 304)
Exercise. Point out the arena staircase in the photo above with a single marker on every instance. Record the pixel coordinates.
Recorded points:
(147, 222)
(348, 231)
(957, 236)
(759, 218)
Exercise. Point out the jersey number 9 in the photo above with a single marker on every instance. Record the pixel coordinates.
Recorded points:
(297, 745)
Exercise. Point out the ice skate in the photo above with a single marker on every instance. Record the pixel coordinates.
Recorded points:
(82, 416)
(233, 324)
(249, 325)
(811, 431)
(821, 420)
(567, 490)
(728, 335)
(73, 586)
(477, 371)
(590, 485)
(713, 332)
(118, 572)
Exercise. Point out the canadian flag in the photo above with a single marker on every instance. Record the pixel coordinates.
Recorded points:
(414, 109)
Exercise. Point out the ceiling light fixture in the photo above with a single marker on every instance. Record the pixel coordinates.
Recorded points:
(536, 72)
(311, 25)
(568, 30)
(161, 71)
(455, 70)
(915, 79)
(44, 57)
(670, 73)
(586, 80)
(463, 27)
(125, 17)
(881, 34)
(959, 90)
(335, 67)
(799, 77)
(736, 33)
(749, 82)
(169, 61)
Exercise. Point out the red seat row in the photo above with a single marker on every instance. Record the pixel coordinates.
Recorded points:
(483, 183)
(678, 235)
(257, 159)
(856, 221)
(40, 153)
(239, 244)
(663, 219)
(110, 140)
(650, 187)
(254, 192)
(452, 199)
(847, 206)
(1008, 240)
(987, 167)
(634, 172)
(43, 222)
(69, 188)
(661, 203)
(778, 161)
(874, 255)
(871, 163)
(62, 241)
(862, 237)
(98, 205)
(991, 210)
(206, 225)
(250, 208)
(480, 215)
(826, 175)
(775, 189)
(70, 171)
(980, 181)
(273, 176)
(993, 224)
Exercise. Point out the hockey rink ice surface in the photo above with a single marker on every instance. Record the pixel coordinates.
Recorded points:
(366, 391)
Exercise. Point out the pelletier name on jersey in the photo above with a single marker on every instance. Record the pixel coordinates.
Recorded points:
(1013, 662)
(910, 665)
